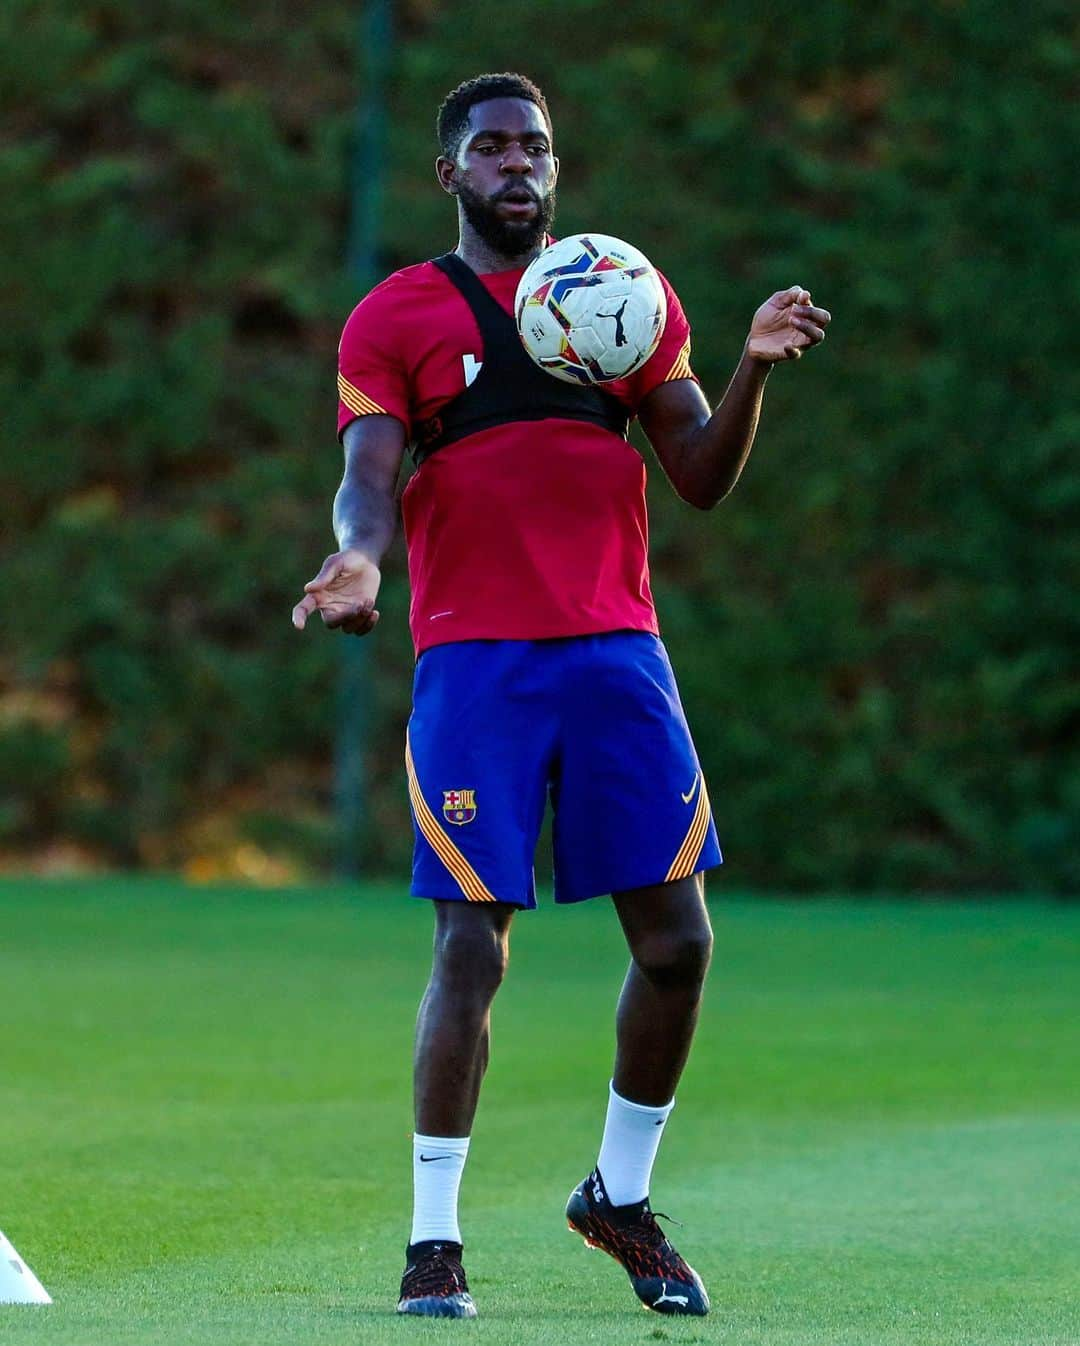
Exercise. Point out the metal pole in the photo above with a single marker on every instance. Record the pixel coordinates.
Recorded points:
(367, 175)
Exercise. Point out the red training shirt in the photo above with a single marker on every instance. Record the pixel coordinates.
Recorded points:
(526, 531)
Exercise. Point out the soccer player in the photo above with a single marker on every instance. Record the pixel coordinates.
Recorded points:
(539, 669)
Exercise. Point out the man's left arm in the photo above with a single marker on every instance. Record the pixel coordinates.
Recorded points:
(704, 452)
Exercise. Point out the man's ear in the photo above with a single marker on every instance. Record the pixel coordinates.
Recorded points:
(446, 171)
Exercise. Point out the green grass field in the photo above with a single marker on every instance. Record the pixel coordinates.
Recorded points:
(204, 1122)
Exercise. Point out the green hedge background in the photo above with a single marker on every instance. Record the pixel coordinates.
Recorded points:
(875, 634)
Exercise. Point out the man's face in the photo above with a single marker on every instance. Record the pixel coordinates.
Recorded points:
(504, 175)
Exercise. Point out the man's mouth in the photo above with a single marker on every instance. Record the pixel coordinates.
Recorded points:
(518, 200)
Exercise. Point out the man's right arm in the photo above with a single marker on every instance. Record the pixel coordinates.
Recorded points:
(345, 589)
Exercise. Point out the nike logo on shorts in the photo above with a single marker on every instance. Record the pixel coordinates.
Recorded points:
(686, 798)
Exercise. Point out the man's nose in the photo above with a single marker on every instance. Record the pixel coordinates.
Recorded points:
(515, 160)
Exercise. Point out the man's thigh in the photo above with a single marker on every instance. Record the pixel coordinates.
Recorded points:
(478, 754)
(631, 805)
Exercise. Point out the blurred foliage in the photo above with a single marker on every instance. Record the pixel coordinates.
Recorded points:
(875, 634)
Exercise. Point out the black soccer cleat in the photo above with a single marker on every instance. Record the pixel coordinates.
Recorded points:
(434, 1284)
(662, 1280)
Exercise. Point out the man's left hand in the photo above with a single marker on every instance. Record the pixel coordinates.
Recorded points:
(786, 325)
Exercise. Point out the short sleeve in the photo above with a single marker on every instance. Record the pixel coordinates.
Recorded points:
(671, 359)
(372, 378)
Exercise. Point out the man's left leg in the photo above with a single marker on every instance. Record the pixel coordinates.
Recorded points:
(670, 938)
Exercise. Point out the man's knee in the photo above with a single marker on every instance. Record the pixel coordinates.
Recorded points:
(676, 957)
(471, 958)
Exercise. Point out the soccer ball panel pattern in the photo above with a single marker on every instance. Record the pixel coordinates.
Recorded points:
(590, 309)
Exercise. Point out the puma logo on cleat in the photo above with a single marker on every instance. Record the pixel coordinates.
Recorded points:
(686, 798)
(665, 1298)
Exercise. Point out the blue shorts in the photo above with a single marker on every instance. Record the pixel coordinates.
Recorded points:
(594, 722)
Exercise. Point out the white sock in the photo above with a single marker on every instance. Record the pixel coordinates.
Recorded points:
(628, 1151)
(438, 1163)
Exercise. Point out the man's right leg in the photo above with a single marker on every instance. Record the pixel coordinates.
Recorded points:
(453, 1027)
(453, 1036)
(477, 755)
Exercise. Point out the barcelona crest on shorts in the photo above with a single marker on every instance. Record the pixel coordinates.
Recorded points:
(459, 806)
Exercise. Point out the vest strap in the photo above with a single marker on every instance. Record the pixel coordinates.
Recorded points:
(510, 386)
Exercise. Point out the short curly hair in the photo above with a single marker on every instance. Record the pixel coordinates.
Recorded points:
(453, 119)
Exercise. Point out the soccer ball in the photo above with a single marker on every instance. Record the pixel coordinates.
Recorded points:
(590, 309)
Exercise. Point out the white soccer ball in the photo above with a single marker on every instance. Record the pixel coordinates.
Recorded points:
(590, 309)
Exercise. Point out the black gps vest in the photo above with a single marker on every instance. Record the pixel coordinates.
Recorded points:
(509, 386)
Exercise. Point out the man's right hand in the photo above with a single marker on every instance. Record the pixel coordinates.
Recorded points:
(344, 592)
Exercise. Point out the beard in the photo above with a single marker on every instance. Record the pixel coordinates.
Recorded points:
(511, 238)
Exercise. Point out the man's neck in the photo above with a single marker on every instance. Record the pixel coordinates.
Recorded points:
(484, 259)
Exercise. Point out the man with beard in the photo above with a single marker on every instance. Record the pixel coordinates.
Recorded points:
(539, 671)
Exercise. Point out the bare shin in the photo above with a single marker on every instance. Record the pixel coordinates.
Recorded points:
(667, 928)
(453, 1027)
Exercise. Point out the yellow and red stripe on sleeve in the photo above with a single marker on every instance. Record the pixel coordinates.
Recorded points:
(681, 368)
(463, 874)
(359, 403)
